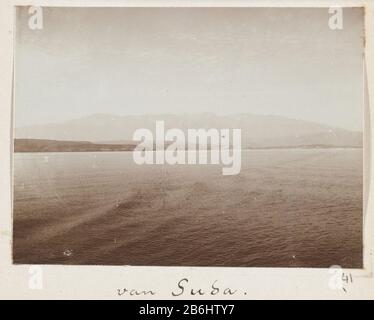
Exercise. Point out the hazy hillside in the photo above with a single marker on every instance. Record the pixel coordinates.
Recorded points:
(257, 130)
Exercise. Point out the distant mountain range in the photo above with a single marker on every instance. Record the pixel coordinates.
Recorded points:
(258, 131)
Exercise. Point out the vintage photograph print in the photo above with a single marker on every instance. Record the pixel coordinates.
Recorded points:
(217, 137)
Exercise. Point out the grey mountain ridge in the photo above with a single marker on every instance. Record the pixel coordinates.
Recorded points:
(258, 131)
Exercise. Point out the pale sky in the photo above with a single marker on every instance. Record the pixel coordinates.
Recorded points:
(176, 60)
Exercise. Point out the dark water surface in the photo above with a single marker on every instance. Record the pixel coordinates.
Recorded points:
(295, 207)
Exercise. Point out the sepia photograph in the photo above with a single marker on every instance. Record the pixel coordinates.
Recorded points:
(196, 137)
